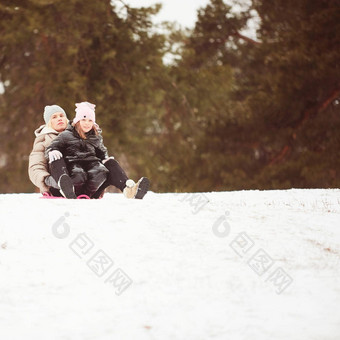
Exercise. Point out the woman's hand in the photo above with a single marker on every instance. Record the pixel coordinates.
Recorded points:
(54, 155)
(50, 182)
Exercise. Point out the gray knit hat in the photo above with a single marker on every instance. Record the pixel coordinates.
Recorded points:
(50, 110)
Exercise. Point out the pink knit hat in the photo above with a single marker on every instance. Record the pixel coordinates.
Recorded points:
(85, 110)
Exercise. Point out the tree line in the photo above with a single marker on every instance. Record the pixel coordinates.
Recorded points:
(228, 113)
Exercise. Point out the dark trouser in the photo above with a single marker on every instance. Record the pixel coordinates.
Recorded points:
(87, 176)
(57, 168)
(55, 192)
(116, 176)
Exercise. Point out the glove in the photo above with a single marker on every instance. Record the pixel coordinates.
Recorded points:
(106, 159)
(51, 182)
(54, 155)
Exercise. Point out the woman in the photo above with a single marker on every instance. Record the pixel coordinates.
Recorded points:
(55, 122)
(47, 176)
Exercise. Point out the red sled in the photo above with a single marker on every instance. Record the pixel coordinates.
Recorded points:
(47, 195)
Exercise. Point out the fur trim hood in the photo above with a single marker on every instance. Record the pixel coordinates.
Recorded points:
(43, 130)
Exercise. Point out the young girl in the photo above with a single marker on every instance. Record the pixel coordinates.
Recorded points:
(81, 145)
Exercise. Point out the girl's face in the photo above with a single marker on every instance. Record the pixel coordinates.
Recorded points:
(86, 124)
(58, 121)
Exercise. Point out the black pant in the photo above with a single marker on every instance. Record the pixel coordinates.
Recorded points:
(115, 176)
(87, 176)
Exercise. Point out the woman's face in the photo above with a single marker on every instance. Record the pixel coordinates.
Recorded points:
(86, 124)
(58, 121)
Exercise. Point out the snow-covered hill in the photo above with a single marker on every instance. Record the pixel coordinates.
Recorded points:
(228, 265)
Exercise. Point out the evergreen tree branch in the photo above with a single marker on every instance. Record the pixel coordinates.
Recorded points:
(305, 117)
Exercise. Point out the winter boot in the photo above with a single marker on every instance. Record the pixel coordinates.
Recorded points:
(66, 186)
(136, 190)
(60, 174)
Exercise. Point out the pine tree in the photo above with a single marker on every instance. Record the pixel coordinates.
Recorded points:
(66, 51)
(255, 113)
(293, 94)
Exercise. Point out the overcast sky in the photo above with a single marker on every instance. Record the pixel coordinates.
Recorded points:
(182, 11)
(185, 11)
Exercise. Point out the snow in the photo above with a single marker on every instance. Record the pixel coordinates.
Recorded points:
(192, 265)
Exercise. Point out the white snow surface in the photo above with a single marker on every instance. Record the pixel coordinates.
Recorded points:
(219, 265)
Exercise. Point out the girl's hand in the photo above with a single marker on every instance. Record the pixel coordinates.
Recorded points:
(54, 155)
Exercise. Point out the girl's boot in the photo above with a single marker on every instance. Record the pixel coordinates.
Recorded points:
(136, 190)
(60, 174)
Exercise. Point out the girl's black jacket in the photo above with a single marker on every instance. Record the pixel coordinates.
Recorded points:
(76, 149)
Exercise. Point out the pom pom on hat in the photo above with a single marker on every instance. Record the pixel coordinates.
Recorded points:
(85, 110)
(50, 110)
